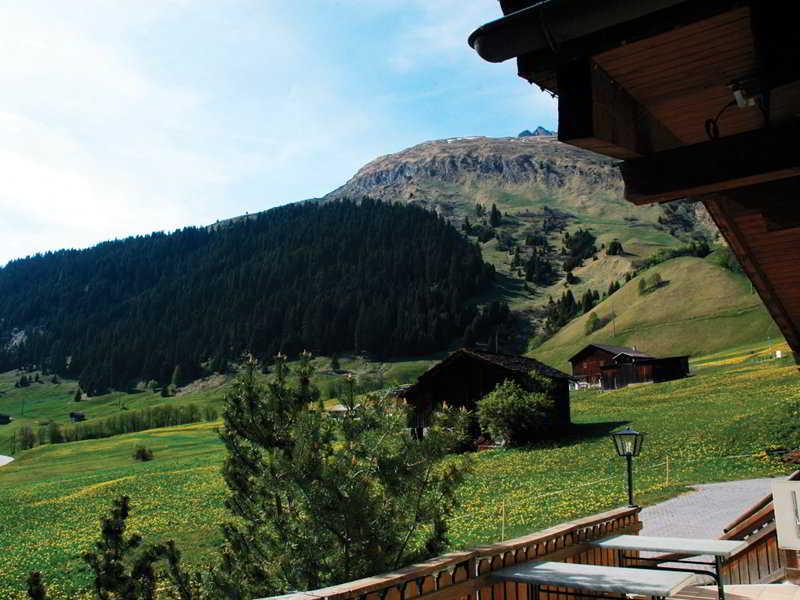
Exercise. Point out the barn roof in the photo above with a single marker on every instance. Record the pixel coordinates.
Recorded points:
(514, 362)
(699, 98)
(649, 361)
(615, 350)
(511, 362)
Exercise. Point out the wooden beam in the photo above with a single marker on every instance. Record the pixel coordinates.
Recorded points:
(723, 208)
(718, 165)
(597, 114)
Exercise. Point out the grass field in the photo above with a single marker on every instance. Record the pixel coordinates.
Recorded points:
(52, 497)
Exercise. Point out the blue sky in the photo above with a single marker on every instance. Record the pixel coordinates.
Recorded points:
(128, 116)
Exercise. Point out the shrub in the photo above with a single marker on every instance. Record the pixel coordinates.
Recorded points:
(723, 257)
(593, 323)
(210, 413)
(142, 454)
(642, 286)
(699, 249)
(648, 285)
(656, 281)
(615, 248)
(26, 438)
(54, 433)
(515, 414)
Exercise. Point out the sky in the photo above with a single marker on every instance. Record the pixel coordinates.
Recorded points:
(122, 117)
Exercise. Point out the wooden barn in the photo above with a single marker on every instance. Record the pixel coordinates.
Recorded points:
(5, 419)
(613, 367)
(468, 375)
(698, 99)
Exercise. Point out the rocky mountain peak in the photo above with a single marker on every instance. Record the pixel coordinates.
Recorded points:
(427, 170)
(539, 131)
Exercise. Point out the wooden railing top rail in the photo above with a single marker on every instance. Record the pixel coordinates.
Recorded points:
(766, 500)
(592, 527)
(557, 530)
(752, 523)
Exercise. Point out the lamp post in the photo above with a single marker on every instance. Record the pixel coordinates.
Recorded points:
(628, 443)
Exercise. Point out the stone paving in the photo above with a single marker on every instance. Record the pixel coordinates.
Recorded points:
(705, 511)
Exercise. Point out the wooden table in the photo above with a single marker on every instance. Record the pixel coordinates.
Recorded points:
(656, 583)
(719, 549)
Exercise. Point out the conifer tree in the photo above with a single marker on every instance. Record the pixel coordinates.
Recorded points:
(495, 218)
(177, 377)
(36, 587)
(318, 500)
(125, 569)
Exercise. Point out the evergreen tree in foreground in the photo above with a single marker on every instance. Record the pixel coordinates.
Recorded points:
(124, 569)
(318, 500)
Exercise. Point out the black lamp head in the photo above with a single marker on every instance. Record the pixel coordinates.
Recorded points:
(627, 442)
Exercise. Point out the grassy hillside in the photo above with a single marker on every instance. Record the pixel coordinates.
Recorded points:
(700, 308)
(51, 497)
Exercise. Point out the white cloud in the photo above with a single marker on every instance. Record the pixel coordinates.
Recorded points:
(85, 148)
(439, 32)
(94, 144)
(131, 116)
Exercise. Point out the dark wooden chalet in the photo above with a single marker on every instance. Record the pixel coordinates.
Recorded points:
(5, 419)
(698, 99)
(614, 367)
(587, 365)
(468, 375)
(77, 417)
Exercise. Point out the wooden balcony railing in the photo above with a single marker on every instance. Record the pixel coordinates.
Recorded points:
(761, 561)
(464, 575)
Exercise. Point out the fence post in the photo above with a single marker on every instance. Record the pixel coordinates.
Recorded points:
(503, 523)
(667, 470)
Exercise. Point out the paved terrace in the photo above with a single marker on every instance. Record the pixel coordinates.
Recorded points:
(703, 512)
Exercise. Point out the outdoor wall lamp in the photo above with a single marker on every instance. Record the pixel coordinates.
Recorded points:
(628, 443)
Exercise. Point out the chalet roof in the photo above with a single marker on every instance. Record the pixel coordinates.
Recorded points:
(648, 361)
(615, 350)
(511, 362)
(531, 26)
(514, 362)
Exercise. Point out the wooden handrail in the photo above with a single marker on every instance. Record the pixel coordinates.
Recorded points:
(457, 574)
(752, 523)
(749, 512)
(757, 506)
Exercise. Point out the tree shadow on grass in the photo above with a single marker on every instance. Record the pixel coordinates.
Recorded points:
(583, 432)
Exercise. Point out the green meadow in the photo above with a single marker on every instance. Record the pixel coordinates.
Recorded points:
(52, 497)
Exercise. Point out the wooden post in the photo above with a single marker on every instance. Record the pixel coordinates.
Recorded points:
(503, 523)
(667, 470)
